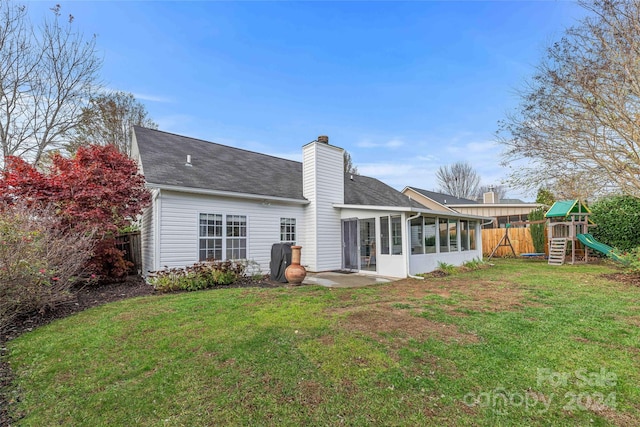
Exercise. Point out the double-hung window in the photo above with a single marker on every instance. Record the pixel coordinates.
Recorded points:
(222, 237)
(210, 236)
(288, 230)
(236, 237)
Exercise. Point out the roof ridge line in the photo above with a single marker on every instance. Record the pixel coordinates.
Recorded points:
(217, 143)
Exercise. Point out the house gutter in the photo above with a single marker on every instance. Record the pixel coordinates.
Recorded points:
(409, 209)
(497, 205)
(157, 207)
(231, 194)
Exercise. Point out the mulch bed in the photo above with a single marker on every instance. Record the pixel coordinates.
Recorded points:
(627, 279)
(87, 297)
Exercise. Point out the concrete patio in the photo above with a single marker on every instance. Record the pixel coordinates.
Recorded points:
(332, 279)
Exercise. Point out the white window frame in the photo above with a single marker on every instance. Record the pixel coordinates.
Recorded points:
(385, 235)
(288, 230)
(236, 239)
(391, 237)
(396, 234)
(473, 231)
(211, 234)
(230, 237)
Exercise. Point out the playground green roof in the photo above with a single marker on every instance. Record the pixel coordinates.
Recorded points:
(564, 208)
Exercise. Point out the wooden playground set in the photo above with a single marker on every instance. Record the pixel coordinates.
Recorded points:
(568, 235)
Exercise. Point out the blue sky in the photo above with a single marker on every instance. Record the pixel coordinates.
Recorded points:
(404, 87)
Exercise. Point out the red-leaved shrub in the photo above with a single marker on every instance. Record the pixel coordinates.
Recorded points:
(97, 191)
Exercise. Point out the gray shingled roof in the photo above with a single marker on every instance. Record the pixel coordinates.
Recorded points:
(444, 199)
(223, 168)
(215, 166)
(362, 190)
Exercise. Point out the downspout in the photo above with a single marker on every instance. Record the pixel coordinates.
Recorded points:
(409, 247)
(486, 223)
(157, 205)
(481, 241)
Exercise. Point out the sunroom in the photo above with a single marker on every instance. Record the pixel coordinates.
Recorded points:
(449, 238)
(396, 242)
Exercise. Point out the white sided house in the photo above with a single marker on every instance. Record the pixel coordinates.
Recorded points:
(215, 201)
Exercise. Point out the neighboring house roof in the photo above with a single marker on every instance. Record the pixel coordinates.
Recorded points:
(563, 208)
(449, 200)
(443, 199)
(222, 168)
(512, 202)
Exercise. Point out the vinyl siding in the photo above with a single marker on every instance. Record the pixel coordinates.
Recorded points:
(147, 239)
(310, 250)
(323, 174)
(180, 220)
(427, 202)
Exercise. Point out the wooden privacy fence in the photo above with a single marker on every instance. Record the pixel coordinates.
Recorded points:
(520, 239)
(130, 245)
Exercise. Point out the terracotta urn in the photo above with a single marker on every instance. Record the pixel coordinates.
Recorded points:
(295, 273)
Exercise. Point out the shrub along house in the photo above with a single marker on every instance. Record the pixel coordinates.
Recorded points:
(216, 201)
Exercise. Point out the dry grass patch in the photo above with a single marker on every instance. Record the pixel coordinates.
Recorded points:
(385, 319)
(311, 393)
(482, 296)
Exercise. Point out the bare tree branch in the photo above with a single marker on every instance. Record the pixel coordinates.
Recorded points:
(459, 180)
(47, 74)
(349, 167)
(578, 124)
(109, 119)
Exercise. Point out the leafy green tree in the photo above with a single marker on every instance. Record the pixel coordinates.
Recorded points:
(537, 230)
(545, 197)
(618, 222)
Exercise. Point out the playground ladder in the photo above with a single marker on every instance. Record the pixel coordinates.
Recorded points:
(557, 251)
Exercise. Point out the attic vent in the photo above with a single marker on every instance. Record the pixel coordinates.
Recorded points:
(323, 139)
(188, 160)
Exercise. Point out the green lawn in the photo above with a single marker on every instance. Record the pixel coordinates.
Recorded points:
(520, 343)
